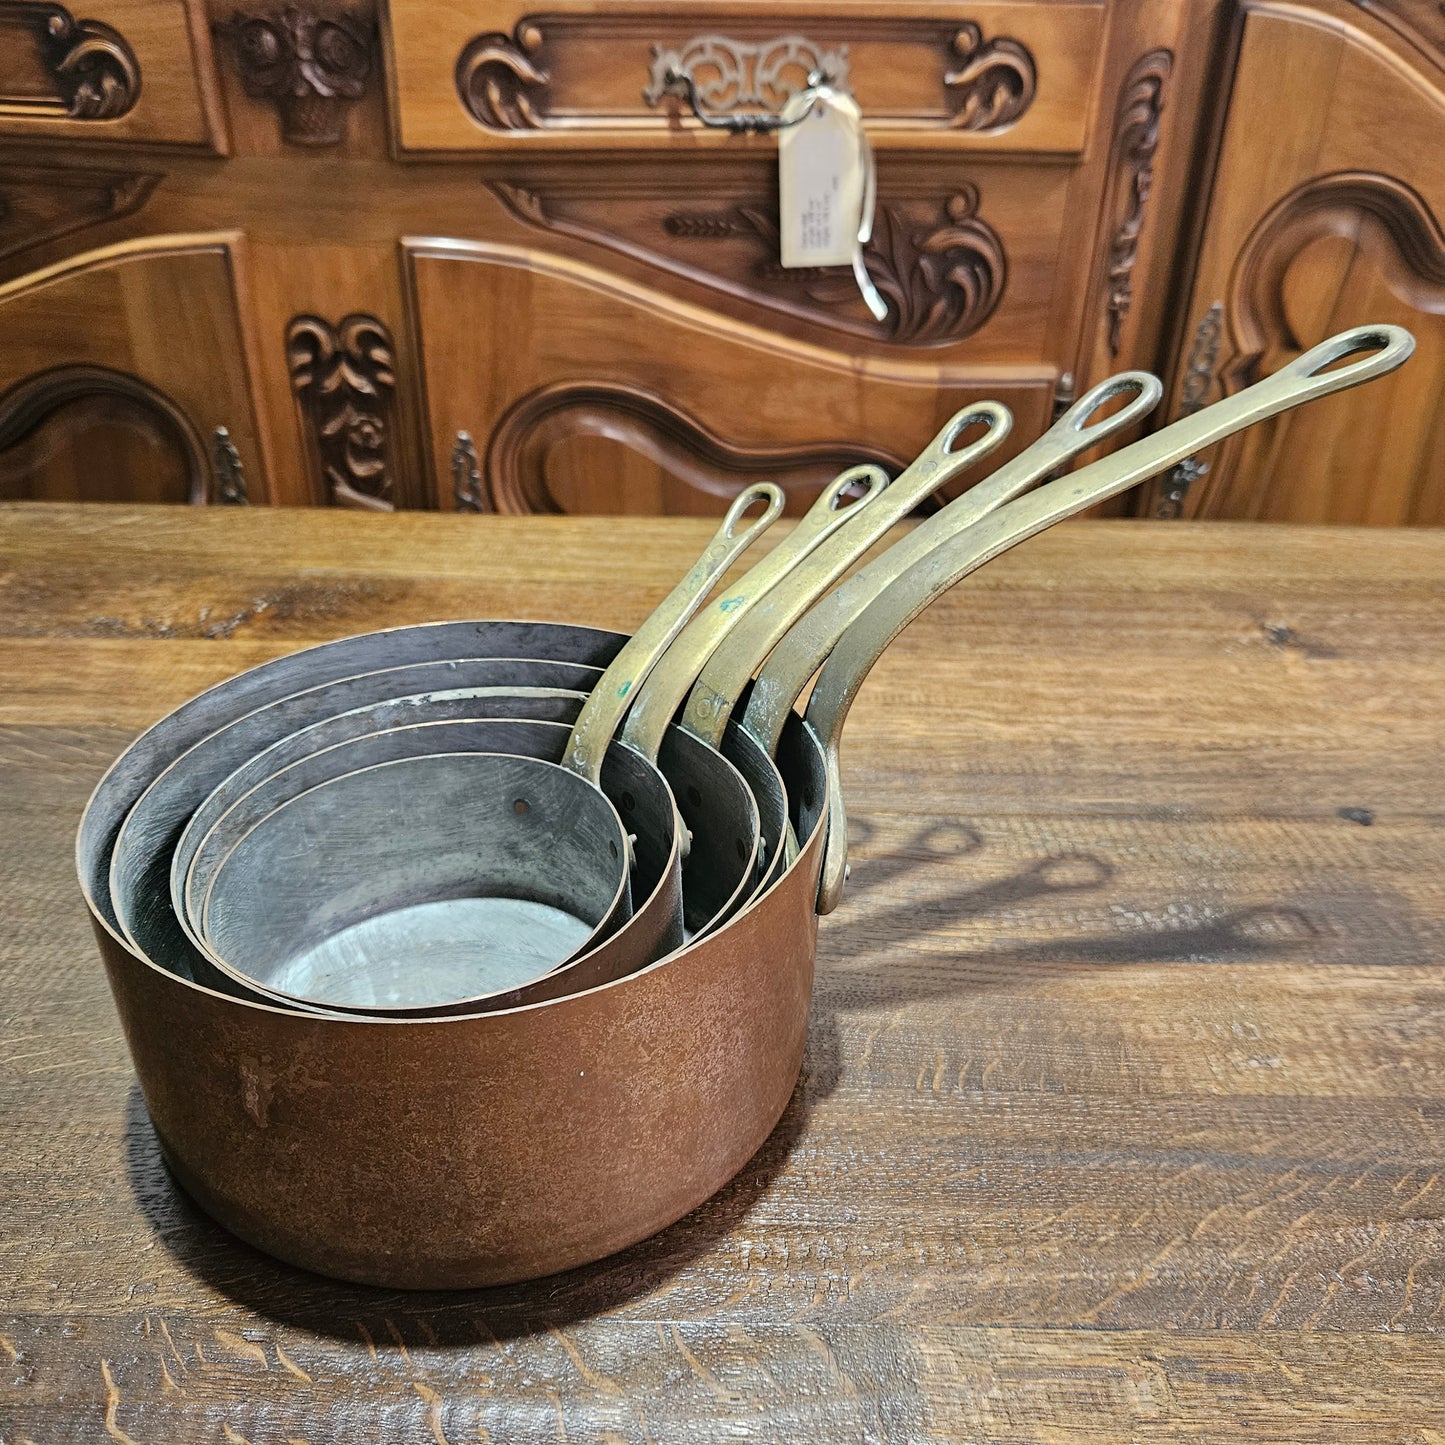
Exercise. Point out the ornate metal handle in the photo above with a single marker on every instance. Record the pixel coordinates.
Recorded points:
(745, 75)
(230, 474)
(466, 475)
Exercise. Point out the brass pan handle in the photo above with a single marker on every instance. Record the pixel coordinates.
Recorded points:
(843, 674)
(729, 670)
(615, 689)
(663, 692)
(804, 650)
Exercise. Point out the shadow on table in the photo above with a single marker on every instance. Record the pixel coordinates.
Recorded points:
(295, 1297)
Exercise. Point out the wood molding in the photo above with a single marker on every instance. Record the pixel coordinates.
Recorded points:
(1419, 22)
(1136, 139)
(344, 380)
(1381, 215)
(311, 62)
(44, 203)
(91, 70)
(27, 404)
(941, 267)
(515, 468)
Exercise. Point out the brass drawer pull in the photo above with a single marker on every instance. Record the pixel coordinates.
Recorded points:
(719, 77)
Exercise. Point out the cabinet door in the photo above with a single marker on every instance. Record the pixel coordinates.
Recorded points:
(582, 392)
(117, 372)
(1326, 212)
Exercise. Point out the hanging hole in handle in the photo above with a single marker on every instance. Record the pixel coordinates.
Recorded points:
(856, 485)
(765, 492)
(1390, 346)
(1113, 404)
(971, 425)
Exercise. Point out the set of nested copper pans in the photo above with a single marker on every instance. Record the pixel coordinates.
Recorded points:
(465, 953)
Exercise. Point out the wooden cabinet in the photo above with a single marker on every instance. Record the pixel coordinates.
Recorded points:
(676, 418)
(1325, 212)
(123, 376)
(350, 235)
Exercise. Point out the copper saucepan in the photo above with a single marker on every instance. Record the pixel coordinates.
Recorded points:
(536, 1138)
(713, 883)
(535, 866)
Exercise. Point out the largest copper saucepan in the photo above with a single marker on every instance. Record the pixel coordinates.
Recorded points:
(471, 1151)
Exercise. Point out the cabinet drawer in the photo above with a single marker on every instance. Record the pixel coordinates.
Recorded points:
(115, 70)
(1003, 77)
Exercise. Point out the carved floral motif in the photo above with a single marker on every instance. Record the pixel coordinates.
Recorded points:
(310, 63)
(344, 377)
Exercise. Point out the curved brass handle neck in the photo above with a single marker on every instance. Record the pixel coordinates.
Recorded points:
(616, 688)
(728, 671)
(662, 694)
(803, 651)
(845, 670)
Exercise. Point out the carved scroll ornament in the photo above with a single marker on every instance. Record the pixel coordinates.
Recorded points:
(943, 276)
(517, 454)
(1136, 138)
(498, 82)
(92, 68)
(992, 85)
(344, 377)
(310, 63)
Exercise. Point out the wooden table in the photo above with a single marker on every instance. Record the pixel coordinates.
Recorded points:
(1123, 1116)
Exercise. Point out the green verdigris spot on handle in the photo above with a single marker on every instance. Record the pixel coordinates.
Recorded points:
(731, 604)
(625, 688)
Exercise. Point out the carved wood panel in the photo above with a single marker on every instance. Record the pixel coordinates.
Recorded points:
(939, 264)
(996, 76)
(115, 403)
(44, 203)
(344, 379)
(61, 68)
(1339, 220)
(312, 62)
(679, 418)
(66, 432)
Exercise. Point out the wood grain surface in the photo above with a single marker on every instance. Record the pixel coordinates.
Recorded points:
(1122, 1117)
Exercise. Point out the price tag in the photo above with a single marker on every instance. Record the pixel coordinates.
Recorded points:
(820, 180)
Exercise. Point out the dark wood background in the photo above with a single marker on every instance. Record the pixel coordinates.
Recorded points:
(1122, 1117)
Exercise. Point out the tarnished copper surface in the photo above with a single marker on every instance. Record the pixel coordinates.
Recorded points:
(479, 1150)
(475, 1151)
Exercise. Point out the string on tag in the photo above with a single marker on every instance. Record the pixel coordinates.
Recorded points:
(827, 185)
